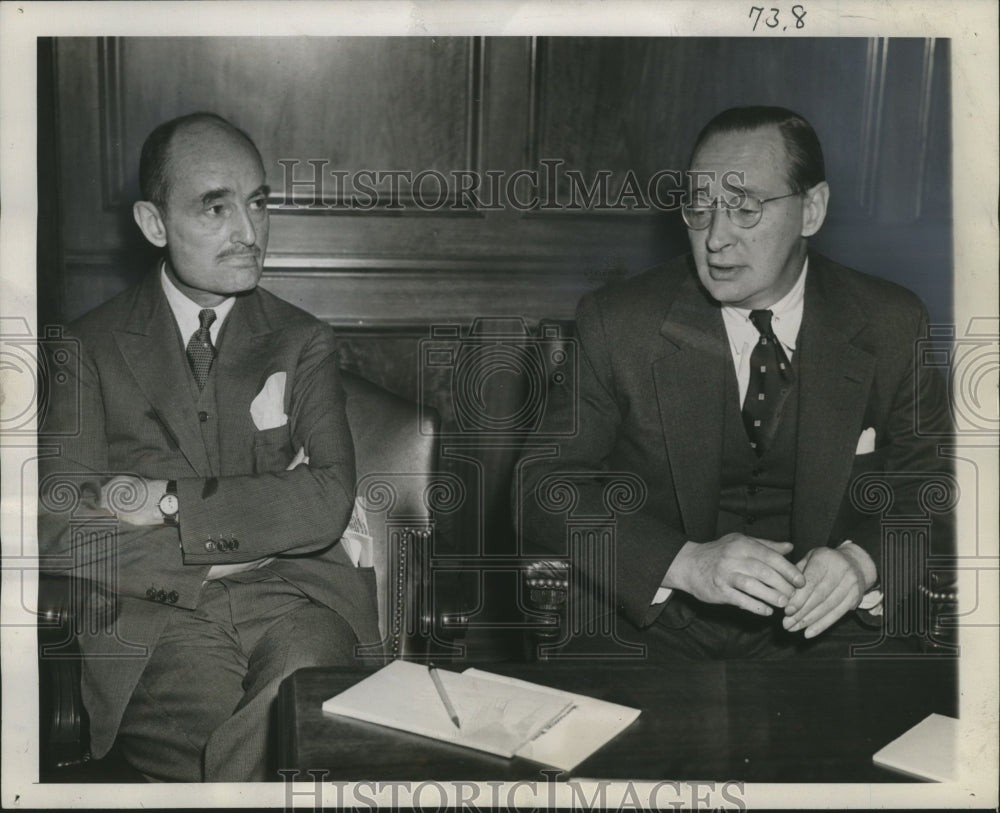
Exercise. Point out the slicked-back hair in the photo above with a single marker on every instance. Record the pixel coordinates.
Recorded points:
(154, 175)
(805, 155)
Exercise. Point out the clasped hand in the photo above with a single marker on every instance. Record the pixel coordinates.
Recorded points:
(836, 581)
(754, 575)
(736, 569)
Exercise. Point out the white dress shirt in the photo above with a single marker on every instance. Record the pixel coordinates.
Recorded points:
(186, 310)
(743, 335)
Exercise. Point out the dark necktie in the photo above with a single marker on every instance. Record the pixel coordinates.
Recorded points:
(200, 351)
(771, 377)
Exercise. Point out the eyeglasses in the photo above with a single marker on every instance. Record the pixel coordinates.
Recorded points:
(746, 213)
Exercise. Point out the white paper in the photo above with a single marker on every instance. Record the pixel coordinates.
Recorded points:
(495, 716)
(578, 734)
(926, 751)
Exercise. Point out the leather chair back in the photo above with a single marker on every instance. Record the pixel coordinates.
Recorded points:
(396, 446)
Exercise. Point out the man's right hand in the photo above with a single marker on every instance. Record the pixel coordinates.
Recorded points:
(744, 571)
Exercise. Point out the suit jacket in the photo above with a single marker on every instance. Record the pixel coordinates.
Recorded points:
(653, 357)
(135, 404)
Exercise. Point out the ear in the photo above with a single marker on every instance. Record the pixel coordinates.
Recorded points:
(150, 221)
(814, 202)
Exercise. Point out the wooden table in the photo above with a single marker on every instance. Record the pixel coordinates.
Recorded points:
(752, 721)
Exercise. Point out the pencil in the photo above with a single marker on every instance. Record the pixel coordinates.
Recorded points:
(443, 694)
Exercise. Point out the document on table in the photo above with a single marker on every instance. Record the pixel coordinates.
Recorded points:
(926, 751)
(498, 715)
(588, 725)
(495, 717)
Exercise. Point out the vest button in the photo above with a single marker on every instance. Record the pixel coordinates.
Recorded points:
(751, 519)
(203, 416)
(757, 472)
(751, 490)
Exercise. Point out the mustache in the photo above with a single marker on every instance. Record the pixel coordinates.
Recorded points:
(253, 251)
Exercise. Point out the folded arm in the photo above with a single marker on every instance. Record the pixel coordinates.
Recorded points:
(293, 512)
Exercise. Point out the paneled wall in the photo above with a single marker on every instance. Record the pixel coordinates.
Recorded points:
(625, 107)
(481, 109)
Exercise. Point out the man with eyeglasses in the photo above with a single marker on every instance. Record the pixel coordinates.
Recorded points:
(748, 386)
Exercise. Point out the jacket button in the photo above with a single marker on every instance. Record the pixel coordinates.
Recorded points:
(172, 596)
(203, 416)
(151, 592)
(210, 545)
(161, 595)
(757, 472)
(751, 519)
(751, 490)
(235, 544)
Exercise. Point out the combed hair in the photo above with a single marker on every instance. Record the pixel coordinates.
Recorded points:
(155, 157)
(805, 155)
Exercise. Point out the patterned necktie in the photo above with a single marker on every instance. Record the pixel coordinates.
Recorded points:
(200, 351)
(771, 378)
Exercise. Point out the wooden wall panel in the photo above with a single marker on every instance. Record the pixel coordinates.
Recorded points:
(358, 103)
(499, 105)
(638, 104)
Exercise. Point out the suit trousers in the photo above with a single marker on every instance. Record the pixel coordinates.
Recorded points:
(720, 631)
(202, 710)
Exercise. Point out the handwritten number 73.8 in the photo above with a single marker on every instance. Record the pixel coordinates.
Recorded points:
(773, 19)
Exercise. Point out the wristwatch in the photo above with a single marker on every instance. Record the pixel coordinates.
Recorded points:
(169, 506)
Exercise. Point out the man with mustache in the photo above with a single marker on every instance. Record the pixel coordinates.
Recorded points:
(748, 386)
(213, 423)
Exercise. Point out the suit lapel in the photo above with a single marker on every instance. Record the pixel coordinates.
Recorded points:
(690, 382)
(148, 341)
(242, 366)
(835, 378)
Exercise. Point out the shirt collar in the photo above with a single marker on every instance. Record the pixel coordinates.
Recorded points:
(785, 321)
(186, 310)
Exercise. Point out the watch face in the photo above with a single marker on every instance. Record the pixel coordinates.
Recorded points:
(169, 504)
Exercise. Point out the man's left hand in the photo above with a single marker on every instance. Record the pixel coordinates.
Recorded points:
(134, 500)
(836, 581)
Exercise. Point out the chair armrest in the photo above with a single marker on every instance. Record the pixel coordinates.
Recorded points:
(63, 725)
(941, 591)
(55, 608)
(545, 586)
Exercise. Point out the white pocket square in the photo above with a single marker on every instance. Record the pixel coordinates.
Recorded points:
(268, 408)
(866, 442)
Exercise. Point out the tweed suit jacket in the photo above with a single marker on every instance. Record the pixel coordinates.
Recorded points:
(653, 357)
(137, 414)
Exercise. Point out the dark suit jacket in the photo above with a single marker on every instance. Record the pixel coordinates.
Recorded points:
(653, 357)
(137, 415)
